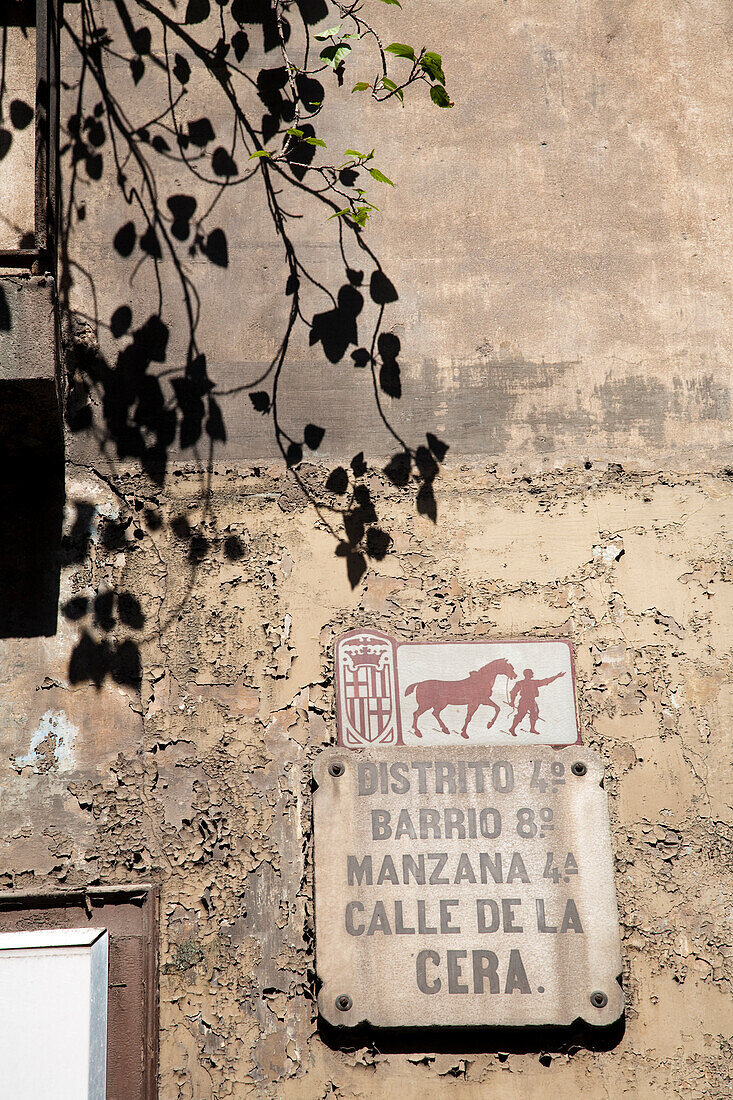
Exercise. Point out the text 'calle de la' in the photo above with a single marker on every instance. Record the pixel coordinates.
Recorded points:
(446, 878)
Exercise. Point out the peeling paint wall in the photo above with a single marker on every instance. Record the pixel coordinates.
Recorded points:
(561, 244)
(201, 779)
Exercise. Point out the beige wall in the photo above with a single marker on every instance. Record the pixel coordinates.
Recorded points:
(563, 312)
(560, 240)
(201, 780)
(17, 136)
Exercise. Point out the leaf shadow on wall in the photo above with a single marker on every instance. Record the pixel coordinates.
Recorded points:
(129, 127)
(111, 621)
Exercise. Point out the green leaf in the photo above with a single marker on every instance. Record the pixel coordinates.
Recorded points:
(392, 87)
(330, 33)
(440, 96)
(399, 49)
(360, 86)
(339, 214)
(431, 63)
(379, 176)
(353, 153)
(259, 153)
(294, 132)
(360, 216)
(314, 141)
(397, 2)
(334, 55)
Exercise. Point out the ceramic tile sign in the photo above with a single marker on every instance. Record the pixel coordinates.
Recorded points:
(464, 887)
(391, 692)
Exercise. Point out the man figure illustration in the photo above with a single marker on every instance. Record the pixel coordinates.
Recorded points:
(528, 689)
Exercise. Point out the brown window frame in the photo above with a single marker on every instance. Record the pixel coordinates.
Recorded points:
(95, 907)
(41, 258)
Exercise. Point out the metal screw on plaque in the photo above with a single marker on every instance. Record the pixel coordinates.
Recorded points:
(344, 1002)
(598, 999)
(578, 768)
(336, 768)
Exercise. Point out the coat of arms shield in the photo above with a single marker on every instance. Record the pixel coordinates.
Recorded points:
(367, 689)
(489, 691)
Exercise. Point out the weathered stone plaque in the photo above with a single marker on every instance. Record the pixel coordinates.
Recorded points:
(464, 887)
(486, 692)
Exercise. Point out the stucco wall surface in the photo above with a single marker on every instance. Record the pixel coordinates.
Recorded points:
(558, 257)
(17, 139)
(228, 603)
(559, 243)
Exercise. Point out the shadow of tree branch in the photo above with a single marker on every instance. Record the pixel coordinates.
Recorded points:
(138, 403)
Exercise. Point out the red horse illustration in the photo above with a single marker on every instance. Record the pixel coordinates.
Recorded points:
(472, 692)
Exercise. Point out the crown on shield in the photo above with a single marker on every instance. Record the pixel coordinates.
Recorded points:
(365, 653)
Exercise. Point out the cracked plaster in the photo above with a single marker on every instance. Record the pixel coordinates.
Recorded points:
(200, 779)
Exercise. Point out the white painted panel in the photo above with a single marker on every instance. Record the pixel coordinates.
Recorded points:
(53, 1014)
